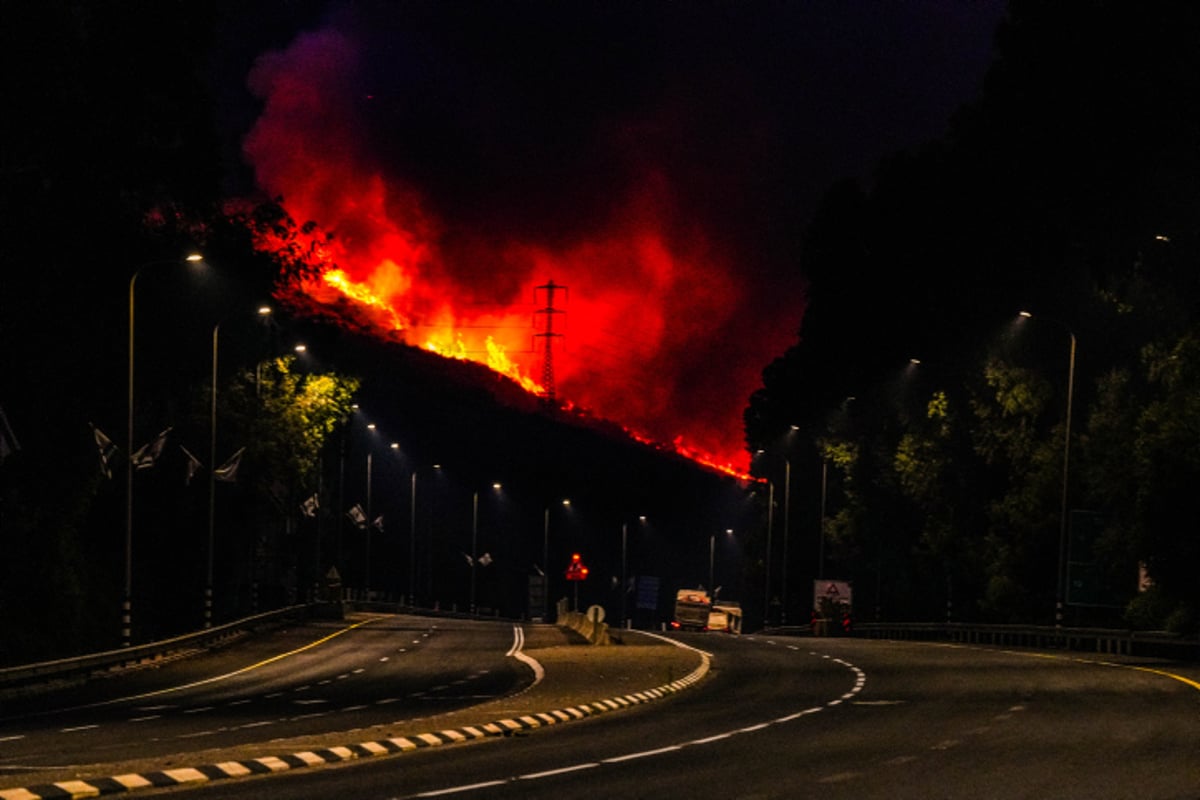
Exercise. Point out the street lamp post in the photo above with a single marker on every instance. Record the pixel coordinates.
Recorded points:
(787, 500)
(1059, 598)
(475, 539)
(712, 548)
(624, 568)
(212, 481)
(821, 538)
(127, 595)
(624, 565)
(474, 547)
(1062, 516)
(412, 541)
(767, 558)
(546, 560)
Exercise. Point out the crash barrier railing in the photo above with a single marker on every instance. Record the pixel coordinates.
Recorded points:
(1155, 644)
(12, 678)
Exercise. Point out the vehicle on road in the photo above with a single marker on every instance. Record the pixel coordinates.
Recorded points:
(692, 610)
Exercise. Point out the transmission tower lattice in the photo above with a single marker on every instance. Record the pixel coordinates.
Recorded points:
(548, 335)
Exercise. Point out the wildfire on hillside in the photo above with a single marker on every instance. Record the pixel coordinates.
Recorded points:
(648, 323)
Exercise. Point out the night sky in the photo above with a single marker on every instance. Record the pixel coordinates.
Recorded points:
(660, 158)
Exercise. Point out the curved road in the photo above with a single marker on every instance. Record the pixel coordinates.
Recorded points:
(782, 718)
(306, 680)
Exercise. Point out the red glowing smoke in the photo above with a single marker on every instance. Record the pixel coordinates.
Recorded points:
(659, 332)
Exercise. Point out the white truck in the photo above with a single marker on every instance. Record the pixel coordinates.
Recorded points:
(696, 611)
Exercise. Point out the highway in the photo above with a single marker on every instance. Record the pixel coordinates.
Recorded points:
(771, 718)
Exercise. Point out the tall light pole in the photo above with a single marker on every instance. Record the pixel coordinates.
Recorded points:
(127, 595)
(412, 541)
(212, 481)
(475, 539)
(546, 560)
(712, 548)
(821, 538)
(474, 545)
(787, 502)
(767, 558)
(1059, 597)
(370, 519)
(624, 563)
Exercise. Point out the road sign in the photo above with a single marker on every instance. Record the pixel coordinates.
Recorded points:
(837, 593)
(576, 571)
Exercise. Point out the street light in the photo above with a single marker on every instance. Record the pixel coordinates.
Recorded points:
(767, 560)
(475, 537)
(624, 561)
(1066, 460)
(821, 539)
(546, 560)
(712, 547)
(127, 598)
(370, 519)
(787, 501)
(212, 481)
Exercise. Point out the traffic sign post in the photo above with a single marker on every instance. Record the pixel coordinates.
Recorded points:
(576, 572)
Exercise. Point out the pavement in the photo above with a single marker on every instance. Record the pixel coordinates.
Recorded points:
(573, 680)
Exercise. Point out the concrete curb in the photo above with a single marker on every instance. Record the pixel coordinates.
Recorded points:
(96, 787)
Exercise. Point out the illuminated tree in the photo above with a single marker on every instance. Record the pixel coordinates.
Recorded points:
(284, 416)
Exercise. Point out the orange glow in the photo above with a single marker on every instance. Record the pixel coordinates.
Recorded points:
(659, 333)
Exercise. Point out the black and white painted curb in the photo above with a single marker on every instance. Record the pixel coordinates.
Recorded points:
(96, 787)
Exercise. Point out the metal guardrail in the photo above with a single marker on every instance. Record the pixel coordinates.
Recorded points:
(1156, 644)
(67, 668)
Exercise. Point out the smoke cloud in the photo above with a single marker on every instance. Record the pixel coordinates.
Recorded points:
(446, 217)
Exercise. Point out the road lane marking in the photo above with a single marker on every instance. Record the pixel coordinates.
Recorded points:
(517, 652)
(457, 789)
(550, 773)
(900, 760)
(645, 753)
(840, 777)
(860, 680)
(241, 671)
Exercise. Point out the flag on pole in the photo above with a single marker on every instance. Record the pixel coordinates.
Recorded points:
(356, 513)
(309, 507)
(485, 559)
(228, 471)
(378, 523)
(470, 561)
(193, 466)
(147, 454)
(107, 450)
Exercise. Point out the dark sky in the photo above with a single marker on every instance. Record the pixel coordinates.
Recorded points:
(531, 113)
(581, 131)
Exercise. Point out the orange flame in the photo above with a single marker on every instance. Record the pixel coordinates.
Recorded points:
(662, 334)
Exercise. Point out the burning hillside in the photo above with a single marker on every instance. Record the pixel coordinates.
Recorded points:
(645, 317)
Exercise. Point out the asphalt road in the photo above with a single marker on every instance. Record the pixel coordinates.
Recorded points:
(821, 718)
(308, 679)
(836, 719)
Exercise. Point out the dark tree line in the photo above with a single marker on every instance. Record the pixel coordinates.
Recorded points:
(1071, 190)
